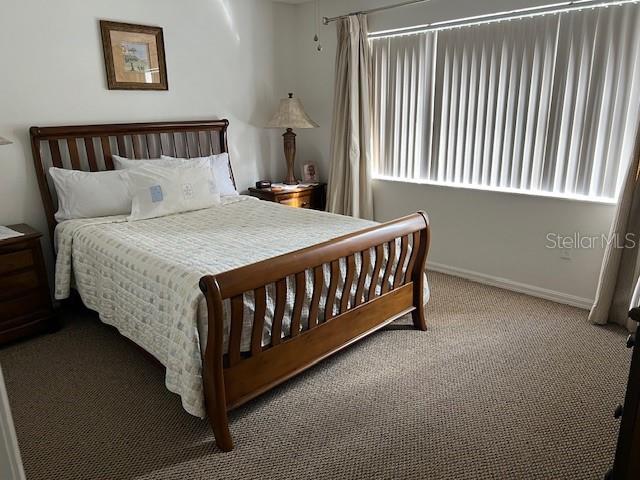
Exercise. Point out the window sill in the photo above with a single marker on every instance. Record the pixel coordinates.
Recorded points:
(559, 196)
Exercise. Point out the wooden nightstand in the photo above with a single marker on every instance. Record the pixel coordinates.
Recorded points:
(313, 196)
(25, 301)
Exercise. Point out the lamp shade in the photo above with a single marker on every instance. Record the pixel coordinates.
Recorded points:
(4, 141)
(291, 114)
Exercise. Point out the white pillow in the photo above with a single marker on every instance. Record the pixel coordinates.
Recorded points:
(90, 194)
(220, 168)
(160, 191)
(122, 163)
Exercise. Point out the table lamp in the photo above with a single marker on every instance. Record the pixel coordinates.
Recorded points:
(290, 115)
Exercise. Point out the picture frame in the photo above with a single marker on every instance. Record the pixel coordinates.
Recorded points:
(134, 56)
(309, 173)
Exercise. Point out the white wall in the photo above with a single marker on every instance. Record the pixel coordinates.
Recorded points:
(225, 59)
(490, 236)
(234, 59)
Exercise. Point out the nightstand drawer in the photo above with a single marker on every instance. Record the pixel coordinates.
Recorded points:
(298, 202)
(15, 284)
(306, 196)
(15, 261)
(15, 308)
(25, 301)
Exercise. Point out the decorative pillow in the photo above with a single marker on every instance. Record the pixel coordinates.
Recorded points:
(220, 168)
(90, 194)
(160, 191)
(122, 163)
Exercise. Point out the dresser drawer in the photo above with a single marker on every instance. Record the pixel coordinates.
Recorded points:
(298, 202)
(16, 284)
(15, 260)
(14, 308)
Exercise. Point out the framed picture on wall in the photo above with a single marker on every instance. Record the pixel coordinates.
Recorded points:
(133, 56)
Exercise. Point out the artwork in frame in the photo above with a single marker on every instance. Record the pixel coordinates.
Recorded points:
(134, 56)
(309, 173)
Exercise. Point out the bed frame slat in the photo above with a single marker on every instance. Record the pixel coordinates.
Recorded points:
(185, 136)
(91, 154)
(333, 287)
(214, 142)
(415, 246)
(278, 315)
(175, 145)
(365, 260)
(106, 153)
(196, 143)
(56, 159)
(375, 276)
(348, 282)
(72, 145)
(314, 308)
(260, 298)
(398, 276)
(389, 266)
(137, 151)
(203, 139)
(235, 335)
(149, 141)
(297, 305)
(122, 145)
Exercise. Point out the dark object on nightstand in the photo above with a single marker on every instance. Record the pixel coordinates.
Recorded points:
(626, 465)
(25, 301)
(263, 184)
(313, 197)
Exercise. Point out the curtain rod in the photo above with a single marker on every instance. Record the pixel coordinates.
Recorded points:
(566, 6)
(327, 20)
(491, 17)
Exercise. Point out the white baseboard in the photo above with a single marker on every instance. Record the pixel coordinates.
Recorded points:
(507, 284)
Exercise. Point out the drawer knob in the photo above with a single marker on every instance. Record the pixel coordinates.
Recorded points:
(618, 412)
(631, 340)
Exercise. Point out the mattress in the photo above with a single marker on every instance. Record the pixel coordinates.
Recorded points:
(142, 277)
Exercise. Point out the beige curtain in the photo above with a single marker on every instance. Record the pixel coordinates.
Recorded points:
(618, 287)
(350, 169)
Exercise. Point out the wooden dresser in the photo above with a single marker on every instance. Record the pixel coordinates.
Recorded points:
(25, 301)
(627, 460)
(313, 196)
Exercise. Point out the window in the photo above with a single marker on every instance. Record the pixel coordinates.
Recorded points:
(543, 104)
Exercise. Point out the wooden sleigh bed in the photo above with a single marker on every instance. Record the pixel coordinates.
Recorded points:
(235, 377)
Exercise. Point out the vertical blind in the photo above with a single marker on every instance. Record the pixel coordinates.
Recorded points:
(547, 103)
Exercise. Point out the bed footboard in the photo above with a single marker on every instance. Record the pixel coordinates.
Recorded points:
(389, 283)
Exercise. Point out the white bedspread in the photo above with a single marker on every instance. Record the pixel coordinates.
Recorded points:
(142, 277)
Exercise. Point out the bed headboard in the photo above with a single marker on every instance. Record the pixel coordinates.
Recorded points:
(89, 148)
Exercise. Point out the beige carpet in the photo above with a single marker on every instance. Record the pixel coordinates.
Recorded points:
(502, 386)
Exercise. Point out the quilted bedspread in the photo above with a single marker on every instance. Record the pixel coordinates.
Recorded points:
(142, 277)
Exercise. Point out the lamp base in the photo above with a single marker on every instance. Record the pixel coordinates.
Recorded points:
(290, 156)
